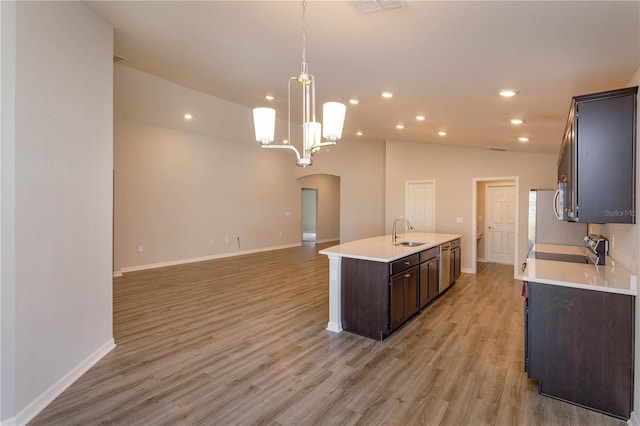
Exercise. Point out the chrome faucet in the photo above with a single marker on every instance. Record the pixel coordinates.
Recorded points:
(394, 235)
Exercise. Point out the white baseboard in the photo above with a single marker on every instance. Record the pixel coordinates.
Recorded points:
(481, 259)
(37, 405)
(334, 326)
(466, 270)
(633, 420)
(199, 259)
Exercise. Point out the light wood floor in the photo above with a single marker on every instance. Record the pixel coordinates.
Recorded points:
(243, 341)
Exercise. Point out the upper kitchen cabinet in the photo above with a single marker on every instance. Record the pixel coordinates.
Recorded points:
(596, 167)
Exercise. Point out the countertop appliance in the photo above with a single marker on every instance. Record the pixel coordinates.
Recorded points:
(545, 227)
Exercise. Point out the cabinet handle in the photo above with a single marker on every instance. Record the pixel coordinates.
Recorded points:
(407, 275)
(407, 263)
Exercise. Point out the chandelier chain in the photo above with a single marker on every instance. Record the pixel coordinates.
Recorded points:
(304, 36)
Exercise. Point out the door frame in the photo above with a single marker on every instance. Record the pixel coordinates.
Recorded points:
(474, 222)
(487, 186)
(433, 198)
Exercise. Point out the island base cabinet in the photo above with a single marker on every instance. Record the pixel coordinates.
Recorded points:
(374, 302)
(365, 298)
(579, 346)
(404, 297)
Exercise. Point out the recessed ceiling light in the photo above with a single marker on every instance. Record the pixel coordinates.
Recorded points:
(188, 116)
(523, 139)
(420, 117)
(269, 97)
(386, 95)
(516, 121)
(441, 133)
(359, 133)
(354, 101)
(507, 93)
(399, 126)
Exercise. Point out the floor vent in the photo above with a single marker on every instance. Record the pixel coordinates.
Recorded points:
(497, 148)
(367, 7)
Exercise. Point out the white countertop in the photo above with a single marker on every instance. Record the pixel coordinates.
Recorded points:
(380, 249)
(611, 277)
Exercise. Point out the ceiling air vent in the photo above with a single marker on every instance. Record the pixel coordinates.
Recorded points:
(118, 58)
(367, 7)
(497, 148)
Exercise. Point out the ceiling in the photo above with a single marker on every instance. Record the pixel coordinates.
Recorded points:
(444, 60)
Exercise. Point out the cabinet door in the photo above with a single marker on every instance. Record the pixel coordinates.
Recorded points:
(454, 266)
(457, 263)
(424, 284)
(605, 162)
(396, 300)
(411, 292)
(434, 278)
(403, 296)
(428, 281)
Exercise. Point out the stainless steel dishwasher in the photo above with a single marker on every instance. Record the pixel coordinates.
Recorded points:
(445, 266)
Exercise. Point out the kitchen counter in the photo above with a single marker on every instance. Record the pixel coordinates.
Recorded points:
(380, 249)
(611, 277)
(377, 249)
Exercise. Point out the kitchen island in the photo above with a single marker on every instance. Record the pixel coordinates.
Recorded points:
(579, 329)
(380, 253)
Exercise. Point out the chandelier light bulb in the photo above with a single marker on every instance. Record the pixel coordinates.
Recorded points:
(333, 117)
(264, 120)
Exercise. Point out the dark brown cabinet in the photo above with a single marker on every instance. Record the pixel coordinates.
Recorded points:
(455, 263)
(579, 346)
(429, 274)
(599, 138)
(379, 297)
(404, 296)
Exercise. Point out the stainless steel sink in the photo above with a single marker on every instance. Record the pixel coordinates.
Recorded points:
(409, 244)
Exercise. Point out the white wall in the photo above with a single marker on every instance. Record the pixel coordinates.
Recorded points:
(7, 208)
(61, 212)
(182, 196)
(188, 190)
(360, 166)
(454, 169)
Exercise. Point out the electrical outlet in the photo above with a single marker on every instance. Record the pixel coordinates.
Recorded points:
(459, 220)
(140, 248)
(211, 242)
(226, 239)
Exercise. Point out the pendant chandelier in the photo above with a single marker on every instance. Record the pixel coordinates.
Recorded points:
(333, 113)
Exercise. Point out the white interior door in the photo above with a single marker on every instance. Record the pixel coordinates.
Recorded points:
(500, 205)
(420, 205)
